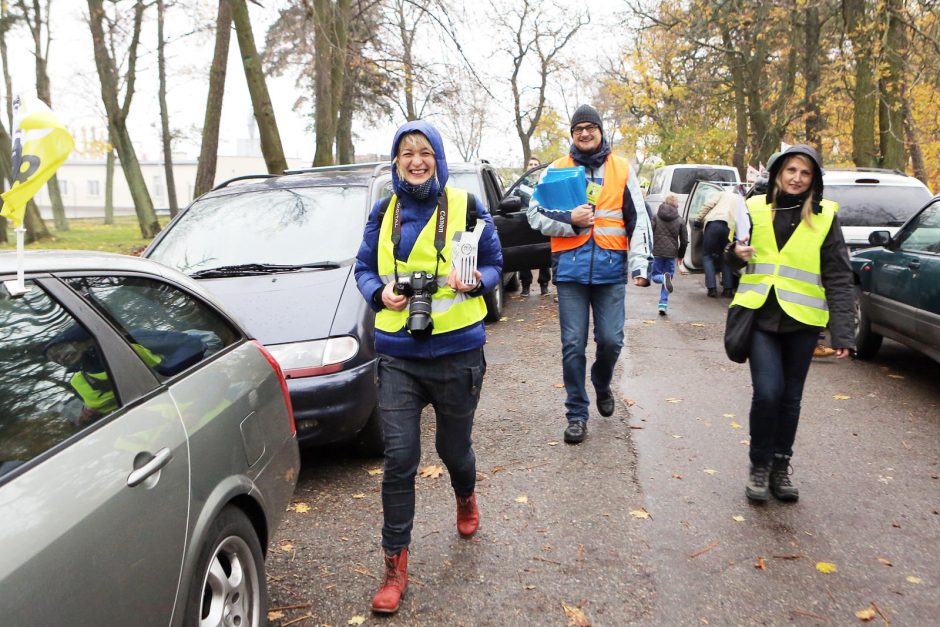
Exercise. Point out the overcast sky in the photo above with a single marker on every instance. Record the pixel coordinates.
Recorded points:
(76, 91)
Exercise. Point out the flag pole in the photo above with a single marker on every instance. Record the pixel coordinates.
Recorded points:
(18, 287)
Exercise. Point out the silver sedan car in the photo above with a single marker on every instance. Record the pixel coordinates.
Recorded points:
(147, 448)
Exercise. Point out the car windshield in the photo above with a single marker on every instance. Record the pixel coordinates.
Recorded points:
(684, 178)
(281, 227)
(465, 180)
(876, 205)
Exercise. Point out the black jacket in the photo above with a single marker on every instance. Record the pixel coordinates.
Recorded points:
(669, 236)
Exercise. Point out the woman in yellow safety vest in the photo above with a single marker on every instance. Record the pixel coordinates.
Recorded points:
(797, 279)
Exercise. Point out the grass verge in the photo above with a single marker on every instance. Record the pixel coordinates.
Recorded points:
(90, 234)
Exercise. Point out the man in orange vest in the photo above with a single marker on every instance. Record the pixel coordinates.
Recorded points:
(596, 248)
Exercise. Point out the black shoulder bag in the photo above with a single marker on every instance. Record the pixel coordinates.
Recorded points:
(739, 329)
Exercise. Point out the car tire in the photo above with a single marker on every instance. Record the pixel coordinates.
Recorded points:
(371, 440)
(867, 342)
(512, 284)
(494, 303)
(229, 585)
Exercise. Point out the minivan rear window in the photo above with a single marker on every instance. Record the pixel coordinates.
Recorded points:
(876, 205)
(684, 178)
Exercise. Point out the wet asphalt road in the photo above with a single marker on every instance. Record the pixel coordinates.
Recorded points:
(637, 524)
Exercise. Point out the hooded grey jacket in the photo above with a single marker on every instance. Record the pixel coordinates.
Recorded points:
(669, 236)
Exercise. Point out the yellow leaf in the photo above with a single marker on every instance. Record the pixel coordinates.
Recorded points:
(841, 397)
(520, 319)
(300, 508)
(555, 443)
(287, 546)
(649, 322)
(677, 436)
(374, 471)
(709, 471)
(641, 514)
(744, 442)
(728, 415)
(826, 567)
(356, 620)
(738, 518)
(575, 616)
(559, 385)
(885, 561)
(734, 425)
(866, 615)
(522, 499)
(504, 319)
(275, 615)
(629, 402)
(913, 579)
(673, 400)
(431, 472)
(760, 564)
(360, 495)
(696, 324)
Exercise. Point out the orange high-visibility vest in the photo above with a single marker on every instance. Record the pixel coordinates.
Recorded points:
(609, 230)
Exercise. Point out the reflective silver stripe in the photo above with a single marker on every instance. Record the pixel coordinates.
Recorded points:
(760, 288)
(440, 305)
(612, 231)
(760, 268)
(802, 299)
(790, 272)
(608, 213)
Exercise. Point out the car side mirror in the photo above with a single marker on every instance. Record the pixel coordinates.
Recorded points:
(509, 204)
(879, 238)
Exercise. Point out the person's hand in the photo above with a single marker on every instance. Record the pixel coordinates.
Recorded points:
(454, 281)
(582, 215)
(744, 251)
(391, 300)
(842, 353)
(640, 281)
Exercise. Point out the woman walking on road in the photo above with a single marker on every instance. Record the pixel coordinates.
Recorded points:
(797, 279)
(429, 336)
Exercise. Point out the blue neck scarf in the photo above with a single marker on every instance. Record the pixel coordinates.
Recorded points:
(593, 160)
(419, 192)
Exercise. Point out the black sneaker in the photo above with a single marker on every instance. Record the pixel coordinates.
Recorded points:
(605, 403)
(524, 292)
(712, 292)
(667, 281)
(576, 432)
(543, 290)
(727, 293)
(758, 488)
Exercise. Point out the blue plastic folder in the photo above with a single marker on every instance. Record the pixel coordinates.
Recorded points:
(562, 189)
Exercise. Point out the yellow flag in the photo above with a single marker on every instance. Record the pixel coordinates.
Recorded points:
(40, 145)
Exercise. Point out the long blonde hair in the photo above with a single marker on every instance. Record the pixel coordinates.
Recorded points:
(807, 209)
(414, 140)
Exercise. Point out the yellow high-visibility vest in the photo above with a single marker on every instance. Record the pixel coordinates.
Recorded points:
(450, 310)
(794, 271)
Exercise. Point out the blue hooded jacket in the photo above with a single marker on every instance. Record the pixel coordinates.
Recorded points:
(415, 214)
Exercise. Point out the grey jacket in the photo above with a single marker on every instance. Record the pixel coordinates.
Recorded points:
(669, 235)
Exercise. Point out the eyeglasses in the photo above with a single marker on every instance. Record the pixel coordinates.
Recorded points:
(587, 128)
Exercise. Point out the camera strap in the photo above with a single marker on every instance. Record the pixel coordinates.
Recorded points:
(440, 231)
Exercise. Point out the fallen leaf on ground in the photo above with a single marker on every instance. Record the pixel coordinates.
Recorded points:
(728, 415)
(300, 508)
(497, 469)
(559, 385)
(374, 471)
(504, 319)
(885, 561)
(356, 620)
(575, 616)
(432, 472)
(696, 324)
(673, 400)
(359, 495)
(649, 322)
(760, 564)
(841, 397)
(744, 442)
(275, 615)
(913, 579)
(520, 319)
(677, 436)
(734, 425)
(640, 513)
(287, 547)
(677, 476)
(629, 402)
(553, 443)
(826, 567)
(522, 499)
(867, 614)
(896, 376)
(738, 518)
(709, 471)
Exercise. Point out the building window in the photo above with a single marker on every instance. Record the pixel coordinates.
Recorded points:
(94, 188)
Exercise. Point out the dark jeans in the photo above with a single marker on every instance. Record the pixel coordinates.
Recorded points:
(779, 364)
(545, 275)
(451, 384)
(713, 246)
(575, 302)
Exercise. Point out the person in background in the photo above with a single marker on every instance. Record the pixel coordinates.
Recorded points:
(545, 274)
(798, 279)
(430, 346)
(669, 243)
(717, 217)
(596, 249)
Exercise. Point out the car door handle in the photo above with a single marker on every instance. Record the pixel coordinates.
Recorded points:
(161, 459)
(914, 265)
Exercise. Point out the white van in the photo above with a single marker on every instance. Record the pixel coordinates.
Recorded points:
(678, 179)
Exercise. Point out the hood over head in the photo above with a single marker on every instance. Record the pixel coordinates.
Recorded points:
(667, 211)
(810, 153)
(440, 160)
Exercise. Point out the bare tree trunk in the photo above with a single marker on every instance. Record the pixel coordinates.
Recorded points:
(271, 147)
(109, 185)
(407, 60)
(345, 150)
(859, 28)
(812, 116)
(117, 114)
(330, 43)
(208, 151)
(891, 114)
(739, 156)
(164, 114)
(913, 141)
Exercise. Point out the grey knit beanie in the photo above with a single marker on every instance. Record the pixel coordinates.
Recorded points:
(586, 113)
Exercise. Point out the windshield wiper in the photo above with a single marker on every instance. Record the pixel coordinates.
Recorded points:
(261, 268)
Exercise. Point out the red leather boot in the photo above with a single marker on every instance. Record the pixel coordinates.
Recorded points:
(388, 598)
(468, 515)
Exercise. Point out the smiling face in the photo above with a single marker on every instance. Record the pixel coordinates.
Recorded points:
(415, 159)
(586, 137)
(795, 176)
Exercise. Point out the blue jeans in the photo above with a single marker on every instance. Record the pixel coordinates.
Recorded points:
(779, 365)
(575, 302)
(661, 266)
(451, 384)
(713, 246)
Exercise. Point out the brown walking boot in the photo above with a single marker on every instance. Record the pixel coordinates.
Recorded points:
(468, 515)
(388, 598)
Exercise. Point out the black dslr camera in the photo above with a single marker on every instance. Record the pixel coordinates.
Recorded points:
(418, 287)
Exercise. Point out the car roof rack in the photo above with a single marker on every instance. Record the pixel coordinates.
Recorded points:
(867, 169)
(244, 177)
(342, 166)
